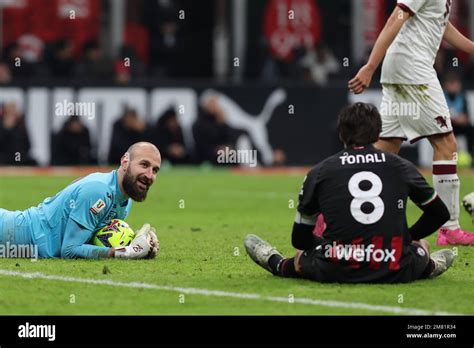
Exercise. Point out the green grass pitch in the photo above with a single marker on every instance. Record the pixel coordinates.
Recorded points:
(202, 217)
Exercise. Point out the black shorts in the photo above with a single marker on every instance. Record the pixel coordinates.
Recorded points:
(415, 264)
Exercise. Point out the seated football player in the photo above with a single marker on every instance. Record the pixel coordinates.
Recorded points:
(362, 193)
(61, 226)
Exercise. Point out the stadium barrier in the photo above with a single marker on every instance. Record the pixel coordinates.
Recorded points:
(300, 120)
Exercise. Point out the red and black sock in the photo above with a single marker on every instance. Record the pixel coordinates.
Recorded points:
(428, 270)
(283, 267)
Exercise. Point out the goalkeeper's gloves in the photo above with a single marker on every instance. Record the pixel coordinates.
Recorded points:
(140, 247)
(154, 240)
(468, 203)
(155, 249)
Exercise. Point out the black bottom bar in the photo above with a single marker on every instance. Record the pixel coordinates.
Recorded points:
(173, 330)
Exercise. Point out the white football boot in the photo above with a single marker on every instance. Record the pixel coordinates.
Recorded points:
(260, 251)
(443, 259)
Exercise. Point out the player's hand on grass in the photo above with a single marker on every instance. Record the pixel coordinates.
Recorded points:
(362, 80)
(155, 243)
(155, 249)
(150, 232)
(144, 230)
(140, 247)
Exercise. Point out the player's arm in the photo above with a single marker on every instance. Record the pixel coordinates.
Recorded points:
(302, 236)
(75, 244)
(91, 206)
(458, 40)
(362, 80)
(76, 238)
(435, 212)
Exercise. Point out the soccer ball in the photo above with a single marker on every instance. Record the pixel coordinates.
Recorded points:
(117, 234)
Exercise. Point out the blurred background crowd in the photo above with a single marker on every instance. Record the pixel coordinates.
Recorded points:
(141, 42)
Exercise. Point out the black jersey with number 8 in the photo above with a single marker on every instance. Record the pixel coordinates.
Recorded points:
(362, 193)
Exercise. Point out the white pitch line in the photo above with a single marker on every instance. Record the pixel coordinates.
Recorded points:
(217, 293)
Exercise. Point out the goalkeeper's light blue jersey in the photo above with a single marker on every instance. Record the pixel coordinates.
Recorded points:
(62, 225)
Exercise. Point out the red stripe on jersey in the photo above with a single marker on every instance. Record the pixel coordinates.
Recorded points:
(397, 244)
(444, 169)
(377, 241)
(406, 8)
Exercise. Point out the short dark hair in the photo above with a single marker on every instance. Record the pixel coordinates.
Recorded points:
(359, 124)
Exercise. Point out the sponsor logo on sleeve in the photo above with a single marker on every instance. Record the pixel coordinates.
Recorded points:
(97, 207)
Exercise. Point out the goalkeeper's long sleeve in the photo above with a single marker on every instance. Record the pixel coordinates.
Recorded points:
(74, 243)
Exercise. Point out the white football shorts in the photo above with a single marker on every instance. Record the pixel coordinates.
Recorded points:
(413, 112)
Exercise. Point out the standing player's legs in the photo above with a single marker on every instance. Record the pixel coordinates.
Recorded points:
(446, 183)
(427, 116)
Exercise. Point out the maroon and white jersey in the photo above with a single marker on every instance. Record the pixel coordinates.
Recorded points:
(410, 58)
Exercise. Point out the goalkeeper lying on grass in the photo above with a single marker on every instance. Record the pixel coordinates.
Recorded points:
(63, 225)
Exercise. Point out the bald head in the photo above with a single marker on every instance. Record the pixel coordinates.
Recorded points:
(143, 147)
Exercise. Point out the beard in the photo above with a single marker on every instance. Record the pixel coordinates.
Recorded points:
(131, 185)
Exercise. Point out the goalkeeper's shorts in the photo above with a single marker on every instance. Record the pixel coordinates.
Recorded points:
(14, 228)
